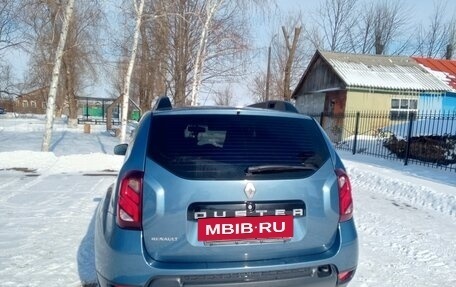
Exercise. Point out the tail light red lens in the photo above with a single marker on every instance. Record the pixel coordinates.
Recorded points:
(344, 277)
(129, 206)
(345, 196)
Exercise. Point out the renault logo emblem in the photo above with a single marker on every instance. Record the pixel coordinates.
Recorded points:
(249, 190)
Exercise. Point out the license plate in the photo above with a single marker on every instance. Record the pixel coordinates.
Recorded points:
(245, 228)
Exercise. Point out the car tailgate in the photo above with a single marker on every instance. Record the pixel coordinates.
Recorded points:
(170, 226)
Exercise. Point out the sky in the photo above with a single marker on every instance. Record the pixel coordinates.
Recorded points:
(405, 215)
(415, 8)
(418, 11)
(263, 31)
(419, 6)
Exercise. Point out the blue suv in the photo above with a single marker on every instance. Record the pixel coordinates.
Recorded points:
(222, 197)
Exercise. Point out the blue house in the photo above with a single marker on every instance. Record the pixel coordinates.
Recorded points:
(445, 71)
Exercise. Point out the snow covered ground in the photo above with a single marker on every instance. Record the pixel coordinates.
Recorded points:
(406, 215)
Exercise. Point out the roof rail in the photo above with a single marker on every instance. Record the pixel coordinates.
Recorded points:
(162, 103)
(276, 105)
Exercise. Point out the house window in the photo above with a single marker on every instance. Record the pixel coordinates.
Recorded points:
(402, 108)
(43, 105)
(25, 104)
(33, 104)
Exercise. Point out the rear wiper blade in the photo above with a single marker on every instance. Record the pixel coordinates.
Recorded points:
(278, 168)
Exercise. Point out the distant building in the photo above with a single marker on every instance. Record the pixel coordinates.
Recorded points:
(7, 104)
(444, 70)
(33, 102)
(337, 83)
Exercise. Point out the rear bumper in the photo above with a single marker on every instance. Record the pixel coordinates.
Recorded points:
(120, 259)
(314, 277)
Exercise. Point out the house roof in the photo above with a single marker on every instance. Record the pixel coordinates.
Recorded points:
(380, 72)
(445, 70)
(34, 91)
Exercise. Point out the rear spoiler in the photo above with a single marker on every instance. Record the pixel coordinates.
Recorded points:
(276, 105)
(162, 103)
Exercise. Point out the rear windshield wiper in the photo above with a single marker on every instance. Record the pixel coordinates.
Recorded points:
(278, 168)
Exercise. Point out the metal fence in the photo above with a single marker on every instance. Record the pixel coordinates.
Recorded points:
(97, 121)
(422, 138)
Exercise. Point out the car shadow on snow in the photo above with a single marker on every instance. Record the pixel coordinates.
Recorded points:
(86, 255)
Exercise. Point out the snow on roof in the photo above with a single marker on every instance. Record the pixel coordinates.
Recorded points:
(444, 70)
(383, 72)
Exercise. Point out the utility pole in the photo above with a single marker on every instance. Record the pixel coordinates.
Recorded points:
(268, 74)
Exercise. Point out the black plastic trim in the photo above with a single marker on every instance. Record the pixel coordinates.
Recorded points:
(276, 105)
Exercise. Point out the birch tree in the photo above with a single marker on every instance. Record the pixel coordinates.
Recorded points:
(218, 40)
(127, 80)
(81, 53)
(182, 19)
(149, 77)
(55, 77)
(190, 45)
(207, 40)
(42, 21)
(212, 7)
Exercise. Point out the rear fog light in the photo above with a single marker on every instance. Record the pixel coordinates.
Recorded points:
(344, 277)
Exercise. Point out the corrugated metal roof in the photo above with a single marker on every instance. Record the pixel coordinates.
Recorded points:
(445, 70)
(383, 72)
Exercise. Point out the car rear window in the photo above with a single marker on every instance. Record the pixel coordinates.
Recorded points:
(224, 147)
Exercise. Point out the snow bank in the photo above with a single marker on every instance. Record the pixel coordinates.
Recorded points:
(412, 191)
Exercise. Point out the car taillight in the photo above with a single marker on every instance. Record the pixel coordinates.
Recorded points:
(129, 206)
(345, 196)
